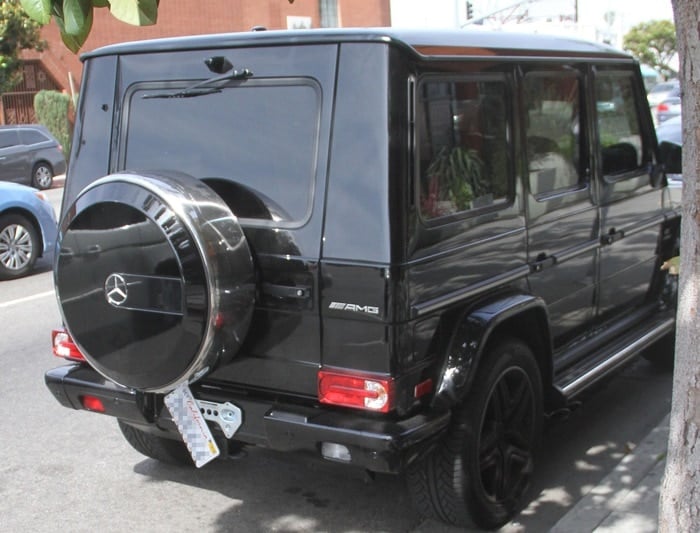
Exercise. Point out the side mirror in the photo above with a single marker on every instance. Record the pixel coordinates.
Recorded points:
(670, 156)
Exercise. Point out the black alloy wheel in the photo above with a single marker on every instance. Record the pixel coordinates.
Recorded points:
(505, 439)
(480, 472)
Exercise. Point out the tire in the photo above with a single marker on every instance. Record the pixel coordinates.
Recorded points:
(42, 176)
(19, 246)
(161, 449)
(662, 353)
(502, 417)
(154, 278)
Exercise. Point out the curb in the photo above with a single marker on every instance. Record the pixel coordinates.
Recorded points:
(627, 499)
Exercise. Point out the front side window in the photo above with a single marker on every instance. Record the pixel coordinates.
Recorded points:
(462, 140)
(619, 131)
(260, 137)
(8, 138)
(553, 133)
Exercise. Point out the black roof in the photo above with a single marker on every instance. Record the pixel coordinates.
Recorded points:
(432, 43)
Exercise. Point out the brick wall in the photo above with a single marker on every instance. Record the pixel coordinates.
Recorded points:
(188, 17)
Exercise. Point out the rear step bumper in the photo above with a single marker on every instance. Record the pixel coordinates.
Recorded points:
(376, 444)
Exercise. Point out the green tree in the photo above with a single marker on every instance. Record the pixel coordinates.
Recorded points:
(74, 17)
(17, 32)
(653, 43)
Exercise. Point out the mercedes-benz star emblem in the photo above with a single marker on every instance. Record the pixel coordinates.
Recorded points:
(116, 290)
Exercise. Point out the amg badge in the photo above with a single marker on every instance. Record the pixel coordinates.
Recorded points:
(355, 308)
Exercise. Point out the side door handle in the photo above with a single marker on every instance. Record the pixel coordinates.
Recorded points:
(612, 236)
(542, 261)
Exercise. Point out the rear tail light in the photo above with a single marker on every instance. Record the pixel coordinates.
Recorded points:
(63, 346)
(662, 107)
(358, 391)
(92, 403)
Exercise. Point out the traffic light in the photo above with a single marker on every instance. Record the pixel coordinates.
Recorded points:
(470, 11)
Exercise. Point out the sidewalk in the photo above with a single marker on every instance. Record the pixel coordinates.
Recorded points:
(627, 499)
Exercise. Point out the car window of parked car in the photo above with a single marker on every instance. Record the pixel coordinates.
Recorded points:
(33, 137)
(261, 138)
(462, 138)
(552, 131)
(8, 138)
(621, 146)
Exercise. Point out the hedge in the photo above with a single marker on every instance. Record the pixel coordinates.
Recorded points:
(51, 109)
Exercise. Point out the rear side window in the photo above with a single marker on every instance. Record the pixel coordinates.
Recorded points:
(8, 138)
(553, 136)
(33, 137)
(256, 142)
(619, 131)
(463, 145)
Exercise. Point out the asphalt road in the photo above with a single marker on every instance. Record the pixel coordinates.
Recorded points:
(64, 470)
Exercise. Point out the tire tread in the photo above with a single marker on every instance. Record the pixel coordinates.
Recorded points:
(159, 448)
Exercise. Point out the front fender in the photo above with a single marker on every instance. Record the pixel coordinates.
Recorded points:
(519, 315)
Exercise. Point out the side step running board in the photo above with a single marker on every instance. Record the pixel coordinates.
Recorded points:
(579, 377)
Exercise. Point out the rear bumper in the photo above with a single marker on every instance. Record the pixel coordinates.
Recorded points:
(377, 444)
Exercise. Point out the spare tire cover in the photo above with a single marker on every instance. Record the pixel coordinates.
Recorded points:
(154, 278)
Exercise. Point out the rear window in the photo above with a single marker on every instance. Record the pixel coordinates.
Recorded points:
(259, 137)
(662, 88)
(33, 137)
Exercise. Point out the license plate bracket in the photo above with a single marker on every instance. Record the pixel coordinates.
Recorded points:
(228, 416)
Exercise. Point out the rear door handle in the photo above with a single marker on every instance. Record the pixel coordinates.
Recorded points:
(542, 261)
(286, 291)
(612, 236)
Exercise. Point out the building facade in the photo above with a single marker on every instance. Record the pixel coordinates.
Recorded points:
(57, 68)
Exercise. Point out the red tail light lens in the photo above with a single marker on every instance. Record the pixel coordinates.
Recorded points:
(358, 391)
(92, 403)
(63, 346)
(662, 107)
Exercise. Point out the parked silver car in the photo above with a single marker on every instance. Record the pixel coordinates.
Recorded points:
(29, 154)
(668, 108)
(663, 90)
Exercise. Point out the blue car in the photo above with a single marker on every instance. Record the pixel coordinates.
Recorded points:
(27, 229)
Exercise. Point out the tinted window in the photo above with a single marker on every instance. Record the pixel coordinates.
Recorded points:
(8, 138)
(618, 124)
(462, 136)
(260, 135)
(552, 131)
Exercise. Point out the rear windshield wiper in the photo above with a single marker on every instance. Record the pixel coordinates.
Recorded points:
(210, 86)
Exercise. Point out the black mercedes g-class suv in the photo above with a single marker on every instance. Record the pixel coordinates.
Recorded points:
(399, 250)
